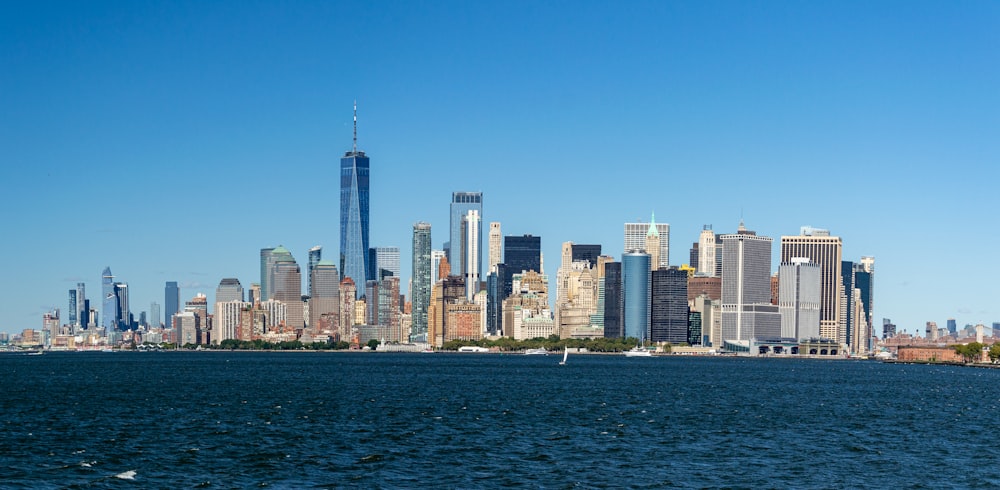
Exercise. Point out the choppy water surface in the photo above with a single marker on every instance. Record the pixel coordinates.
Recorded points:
(294, 420)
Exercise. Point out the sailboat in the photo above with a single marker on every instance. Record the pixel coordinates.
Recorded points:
(565, 355)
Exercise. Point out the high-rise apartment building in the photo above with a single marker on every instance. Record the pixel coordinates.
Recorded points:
(635, 294)
(354, 204)
(747, 312)
(472, 241)
(348, 296)
(496, 242)
(819, 247)
(668, 306)
(799, 298)
(461, 204)
(171, 302)
(422, 278)
(437, 256)
(635, 239)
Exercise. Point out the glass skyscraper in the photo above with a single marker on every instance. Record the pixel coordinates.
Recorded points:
(668, 306)
(171, 302)
(613, 300)
(354, 214)
(635, 294)
(461, 204)
(109, 307)
(315, 255)
(421, 278)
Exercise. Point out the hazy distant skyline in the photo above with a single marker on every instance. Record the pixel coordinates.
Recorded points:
(173, 141)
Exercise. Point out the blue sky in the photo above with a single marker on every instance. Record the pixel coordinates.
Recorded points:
(171, 141)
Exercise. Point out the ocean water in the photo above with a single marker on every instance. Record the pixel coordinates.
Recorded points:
(370, 420)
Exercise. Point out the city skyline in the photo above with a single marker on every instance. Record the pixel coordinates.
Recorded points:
(872, 144)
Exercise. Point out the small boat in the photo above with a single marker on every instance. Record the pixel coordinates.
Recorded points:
(536, 352)
(36, 353)
(565, 355)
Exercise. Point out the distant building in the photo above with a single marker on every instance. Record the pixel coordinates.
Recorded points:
(354, 207)
(668, 303)
(472, 241)
(707, 250)
(461, 204)
(496, 244)
(635, 294)
(229, 289)
(635, 239)
(286, 281)
(819, 247)
(613, 321)
(747, 312)
(422, 280)
(325, 297)
(799, 298)
(315, 255)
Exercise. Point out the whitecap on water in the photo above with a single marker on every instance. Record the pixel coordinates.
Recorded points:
(127, 475)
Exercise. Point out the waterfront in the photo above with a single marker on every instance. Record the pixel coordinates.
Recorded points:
(230, 419)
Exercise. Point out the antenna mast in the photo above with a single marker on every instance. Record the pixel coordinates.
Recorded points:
(355, 126)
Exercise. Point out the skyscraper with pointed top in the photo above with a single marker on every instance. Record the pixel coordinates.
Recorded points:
(636, 235)
(354, 213)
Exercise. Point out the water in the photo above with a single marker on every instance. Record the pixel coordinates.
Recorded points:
(319, 420)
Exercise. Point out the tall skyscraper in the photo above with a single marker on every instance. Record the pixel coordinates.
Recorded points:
(154, 314)
(819, 247)
(799, 298)
(354, 195)
(315, 255)
(437, 256)
(461, 204)
(109, 305)
(171, 302)
(275, 255)
(613, 326)
(123, 315)
(82, 310)
(229, 289)
(286, 279)
(747, 312)
(472, 258)
(386, 262)
(496, 252)
(588, 253)
(635, 294)
(71, 310)
(265, 272)
(522, 253)
(706, 252)
(422, 281)
(325, 297)
(668, 306)
(635, 239)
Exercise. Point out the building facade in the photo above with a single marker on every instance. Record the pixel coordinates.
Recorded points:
(635, 294)
(820, 248)
(354, 207)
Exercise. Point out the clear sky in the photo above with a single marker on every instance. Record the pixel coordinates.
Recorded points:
(172, 141)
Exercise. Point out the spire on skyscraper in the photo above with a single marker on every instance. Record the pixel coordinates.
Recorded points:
(652, 226)
(355, 126)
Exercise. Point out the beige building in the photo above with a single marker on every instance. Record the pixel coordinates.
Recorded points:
(819, 247)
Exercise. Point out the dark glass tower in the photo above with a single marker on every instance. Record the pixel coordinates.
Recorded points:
(521, 253)
(171, 302)
(590, 253)
(669, 306)
(354, 213)
(613, 326)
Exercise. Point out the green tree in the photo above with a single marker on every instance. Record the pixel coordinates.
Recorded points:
(995, 352)
(373, 344)
(970, 352)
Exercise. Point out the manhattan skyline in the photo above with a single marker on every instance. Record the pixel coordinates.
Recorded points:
(172, 143)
